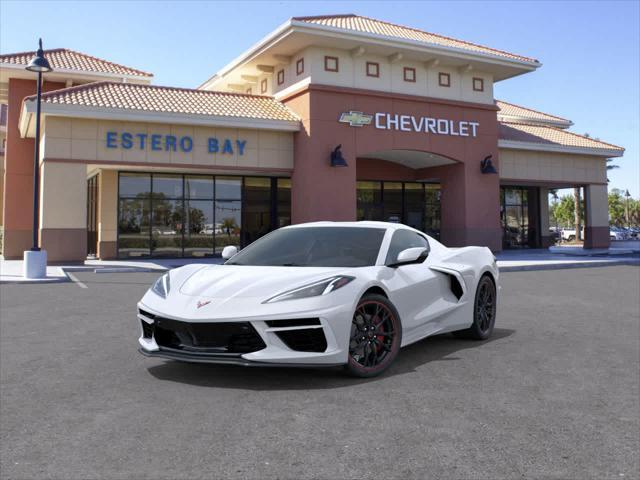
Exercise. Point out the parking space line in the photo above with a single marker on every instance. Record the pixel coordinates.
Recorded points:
(75, 280)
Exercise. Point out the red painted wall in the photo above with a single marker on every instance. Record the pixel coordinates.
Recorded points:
(470, 200)
(18, 177)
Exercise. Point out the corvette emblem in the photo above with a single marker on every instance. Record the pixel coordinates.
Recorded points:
(355, 119)
(202, 303)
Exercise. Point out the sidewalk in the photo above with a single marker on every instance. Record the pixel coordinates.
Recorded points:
(508, 261)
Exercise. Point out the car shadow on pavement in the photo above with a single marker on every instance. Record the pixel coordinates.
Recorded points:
(432, 349)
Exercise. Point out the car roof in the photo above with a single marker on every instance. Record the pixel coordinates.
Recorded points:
(360, 224)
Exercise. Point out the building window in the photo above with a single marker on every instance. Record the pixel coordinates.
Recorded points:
(478, 84)
(331, 64)
(172, 215)
(412, 203)
(409, 74)
(280, 77)
(373, 69)
(248, 91)
(300, 66)
(444, 79)
(263, 86)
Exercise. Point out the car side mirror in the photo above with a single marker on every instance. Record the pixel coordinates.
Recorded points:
(411, 255)
(229, 251)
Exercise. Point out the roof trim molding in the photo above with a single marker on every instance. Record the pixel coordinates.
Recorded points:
(292, 25)
(129, 115)
(543, 147)
(84, 73)
(534, 121)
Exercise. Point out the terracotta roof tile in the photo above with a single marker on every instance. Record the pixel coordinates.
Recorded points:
(517, 132)
(513, 110)
(65, 59)
(153, 98)
(379, 27)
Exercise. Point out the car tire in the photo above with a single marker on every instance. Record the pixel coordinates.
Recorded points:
(375, 336)
(571, 238)
(484, 311)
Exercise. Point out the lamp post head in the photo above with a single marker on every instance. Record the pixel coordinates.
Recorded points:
(39, 62)
(627, 194)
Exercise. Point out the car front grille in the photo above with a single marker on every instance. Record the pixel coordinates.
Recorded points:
(223, 337)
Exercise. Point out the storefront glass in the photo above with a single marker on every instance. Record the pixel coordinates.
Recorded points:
(169, 215)
(412, 203)
(519, 217)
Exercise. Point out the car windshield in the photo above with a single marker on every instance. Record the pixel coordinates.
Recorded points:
(314, 247)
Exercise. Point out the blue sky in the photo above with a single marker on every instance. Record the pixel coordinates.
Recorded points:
(589, 50)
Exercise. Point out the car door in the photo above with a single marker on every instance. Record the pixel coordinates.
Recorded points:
(414, 287)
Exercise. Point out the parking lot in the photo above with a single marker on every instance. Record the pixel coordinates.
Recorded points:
(554, 394)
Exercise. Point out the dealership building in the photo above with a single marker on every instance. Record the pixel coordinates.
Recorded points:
(327, 118)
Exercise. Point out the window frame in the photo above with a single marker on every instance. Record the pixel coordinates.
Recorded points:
(263, 85)
(377, 67)
(280, 76)
(444, 83)
(480, 82)
(327, 59)
(300, 66)
(407, 70)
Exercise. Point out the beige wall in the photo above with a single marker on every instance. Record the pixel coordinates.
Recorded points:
(597, 211)
(63, 195)
(80, 139)
(552, 167)
(352, 73)
(108, 206)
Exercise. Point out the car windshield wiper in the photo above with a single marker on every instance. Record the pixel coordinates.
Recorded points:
(291, 264)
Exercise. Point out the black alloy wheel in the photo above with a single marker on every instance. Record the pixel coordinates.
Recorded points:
(375, 338)
(484, 311)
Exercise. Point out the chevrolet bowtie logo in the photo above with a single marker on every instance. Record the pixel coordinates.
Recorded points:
(356, 119)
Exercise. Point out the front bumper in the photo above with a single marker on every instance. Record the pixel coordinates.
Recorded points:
(289, 340)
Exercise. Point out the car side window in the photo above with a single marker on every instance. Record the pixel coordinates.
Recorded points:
(401, 240)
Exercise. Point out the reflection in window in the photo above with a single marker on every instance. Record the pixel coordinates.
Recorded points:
(196, 215)
(133, 227)
(412, 203)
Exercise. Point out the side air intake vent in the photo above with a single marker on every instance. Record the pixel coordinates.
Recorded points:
(306, 340)
(456, 288)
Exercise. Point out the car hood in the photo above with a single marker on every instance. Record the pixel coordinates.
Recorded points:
(236, 281)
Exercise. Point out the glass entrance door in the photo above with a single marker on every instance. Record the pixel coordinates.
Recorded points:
(92, 216)
(519, 217)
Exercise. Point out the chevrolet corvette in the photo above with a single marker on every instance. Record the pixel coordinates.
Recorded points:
(321, 294)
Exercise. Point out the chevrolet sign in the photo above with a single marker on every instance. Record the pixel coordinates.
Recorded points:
(355, 119)
(410, 123)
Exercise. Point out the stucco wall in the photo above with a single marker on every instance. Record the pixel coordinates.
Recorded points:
(85, 140)
(551, 167)
(352, 73)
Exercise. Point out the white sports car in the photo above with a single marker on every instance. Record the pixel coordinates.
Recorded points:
(321, 294)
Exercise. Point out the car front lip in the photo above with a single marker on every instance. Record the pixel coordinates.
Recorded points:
(223, 359)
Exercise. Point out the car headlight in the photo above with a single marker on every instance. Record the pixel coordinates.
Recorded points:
(162, 286)
(323, 287)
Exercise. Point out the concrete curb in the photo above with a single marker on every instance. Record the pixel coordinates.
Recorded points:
(567, 266)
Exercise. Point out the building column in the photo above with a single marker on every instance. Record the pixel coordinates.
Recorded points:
(596, 216)
(18, 174)
(546, 240)
(107, 214)
(63, 211)
(318, 190)
(470, 206)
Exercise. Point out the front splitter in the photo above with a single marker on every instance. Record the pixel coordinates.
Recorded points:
(228, 359)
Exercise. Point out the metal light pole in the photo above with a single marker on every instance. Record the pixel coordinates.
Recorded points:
(35, 260)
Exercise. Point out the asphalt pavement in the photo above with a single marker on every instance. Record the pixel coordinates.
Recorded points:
(553, 394)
